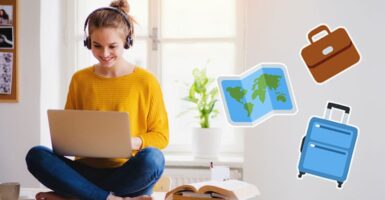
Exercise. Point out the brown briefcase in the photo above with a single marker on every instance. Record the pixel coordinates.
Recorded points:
(329, 55)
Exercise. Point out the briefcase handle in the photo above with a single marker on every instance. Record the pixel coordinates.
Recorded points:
(340, 107)
(316, 31)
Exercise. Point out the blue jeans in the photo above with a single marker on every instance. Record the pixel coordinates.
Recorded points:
(74, 179)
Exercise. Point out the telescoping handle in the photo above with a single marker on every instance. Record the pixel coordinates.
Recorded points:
(340, 107)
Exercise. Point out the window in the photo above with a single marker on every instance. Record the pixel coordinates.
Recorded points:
(172, 37)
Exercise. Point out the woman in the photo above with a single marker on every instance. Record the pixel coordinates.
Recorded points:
(4, 17)
(113, 84)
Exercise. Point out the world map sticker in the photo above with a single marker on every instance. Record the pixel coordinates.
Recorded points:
(256, 95)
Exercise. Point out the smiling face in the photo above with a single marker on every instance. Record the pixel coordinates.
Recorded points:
(107, 45)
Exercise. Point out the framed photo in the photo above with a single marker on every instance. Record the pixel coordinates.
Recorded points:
(6, 65)
(6, 15)
(6, 37)
(8, 51)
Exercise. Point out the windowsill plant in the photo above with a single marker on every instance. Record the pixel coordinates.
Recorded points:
(204, 96)
(203, 93)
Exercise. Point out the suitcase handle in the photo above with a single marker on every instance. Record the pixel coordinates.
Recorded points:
(316, 31)
(303, 141)
(340, 107)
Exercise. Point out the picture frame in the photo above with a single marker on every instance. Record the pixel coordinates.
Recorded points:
(8, 51)
(6, 14)
(6, 37)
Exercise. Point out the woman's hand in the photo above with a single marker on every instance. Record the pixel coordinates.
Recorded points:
(136, 143)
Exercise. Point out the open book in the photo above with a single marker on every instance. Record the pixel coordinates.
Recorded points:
(228, 190)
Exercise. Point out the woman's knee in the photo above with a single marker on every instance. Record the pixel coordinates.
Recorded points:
(37, 154)
(153, 158)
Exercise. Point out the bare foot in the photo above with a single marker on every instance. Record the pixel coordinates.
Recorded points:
(50, 196)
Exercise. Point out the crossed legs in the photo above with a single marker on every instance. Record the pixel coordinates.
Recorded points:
(70, 179)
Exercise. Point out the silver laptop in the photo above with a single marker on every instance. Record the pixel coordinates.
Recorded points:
(95, 134)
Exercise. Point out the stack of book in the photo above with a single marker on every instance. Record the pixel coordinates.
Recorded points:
(227, 190)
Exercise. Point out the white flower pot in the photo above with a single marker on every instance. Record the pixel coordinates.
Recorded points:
(206, 142)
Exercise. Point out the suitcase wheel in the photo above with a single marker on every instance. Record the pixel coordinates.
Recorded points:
(300, 174)
(339, 184)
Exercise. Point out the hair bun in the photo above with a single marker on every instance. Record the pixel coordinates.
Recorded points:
(121, 5)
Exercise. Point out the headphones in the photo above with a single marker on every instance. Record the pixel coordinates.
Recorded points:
(87, 39)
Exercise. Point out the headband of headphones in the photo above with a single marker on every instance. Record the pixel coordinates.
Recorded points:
(87, 40)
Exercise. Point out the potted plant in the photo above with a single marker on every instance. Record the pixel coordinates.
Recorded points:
(203, 93)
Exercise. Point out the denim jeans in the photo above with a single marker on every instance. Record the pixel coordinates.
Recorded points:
(74, 179)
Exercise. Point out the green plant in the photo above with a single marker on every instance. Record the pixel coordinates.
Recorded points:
(204, 95)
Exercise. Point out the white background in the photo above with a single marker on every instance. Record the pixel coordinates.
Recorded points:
(276, 32)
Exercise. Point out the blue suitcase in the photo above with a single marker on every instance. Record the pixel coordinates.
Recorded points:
(328, 146)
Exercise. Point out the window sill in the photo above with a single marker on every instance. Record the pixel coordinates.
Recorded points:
(188, 160)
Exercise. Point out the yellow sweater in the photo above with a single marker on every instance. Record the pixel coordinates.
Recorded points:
(138, 93)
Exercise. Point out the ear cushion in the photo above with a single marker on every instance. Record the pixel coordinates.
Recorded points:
(87, 43)
(128, 43)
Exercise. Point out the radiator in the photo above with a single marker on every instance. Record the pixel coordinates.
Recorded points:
(180, 176)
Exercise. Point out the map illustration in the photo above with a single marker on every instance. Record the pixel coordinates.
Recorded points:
(256, 95)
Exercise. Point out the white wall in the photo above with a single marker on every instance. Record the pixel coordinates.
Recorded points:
(43, 76)
(20, 121)
(276, 33)
(54, 63)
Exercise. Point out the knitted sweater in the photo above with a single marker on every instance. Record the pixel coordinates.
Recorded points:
(137, 93)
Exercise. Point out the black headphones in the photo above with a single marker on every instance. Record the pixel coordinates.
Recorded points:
(87, 39)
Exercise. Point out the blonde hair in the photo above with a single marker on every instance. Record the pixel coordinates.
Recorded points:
(119, 19)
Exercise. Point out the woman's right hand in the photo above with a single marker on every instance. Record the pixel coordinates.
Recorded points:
(136, 143)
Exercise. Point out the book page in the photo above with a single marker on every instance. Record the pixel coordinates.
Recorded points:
(194, 194)
(231, 188)
(182, 188)
(230, 185)
(199, 185)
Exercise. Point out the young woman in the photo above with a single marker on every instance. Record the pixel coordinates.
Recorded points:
(113, 84)
(4, 17)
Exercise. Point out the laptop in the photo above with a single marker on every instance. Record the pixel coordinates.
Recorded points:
(96, 134)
